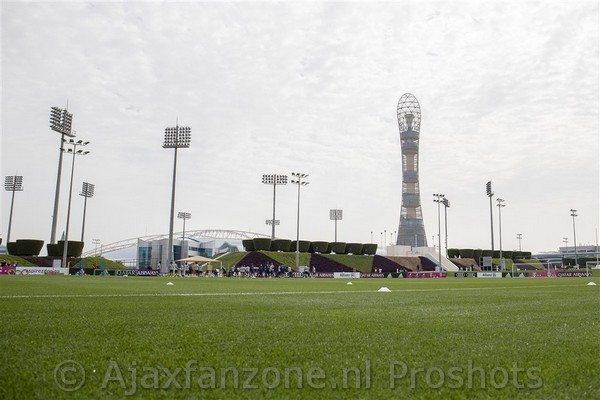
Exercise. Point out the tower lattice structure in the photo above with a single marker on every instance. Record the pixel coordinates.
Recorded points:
(411, 231)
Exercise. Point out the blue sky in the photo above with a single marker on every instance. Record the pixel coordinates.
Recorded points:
(508, 92)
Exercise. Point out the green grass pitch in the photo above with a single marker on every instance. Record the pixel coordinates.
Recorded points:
(222, 338)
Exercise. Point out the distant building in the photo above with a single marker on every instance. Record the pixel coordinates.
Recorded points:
(150, 253)
(411, 231)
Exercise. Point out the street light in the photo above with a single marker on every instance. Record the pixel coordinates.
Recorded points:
(74, 152)
(335, 215)
(87, 191)
(519, 237)
(60, 121)
(446, 204)
(300, 182)
(274, 179)
(439, 199)
(574, 237)
(500, 206)
(490, 194)
(175, 138)
(270, 222)
(12, 184)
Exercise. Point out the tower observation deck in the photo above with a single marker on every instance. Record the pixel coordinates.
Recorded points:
(411, 231)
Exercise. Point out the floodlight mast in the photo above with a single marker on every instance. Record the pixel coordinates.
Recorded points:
(87, 191)
(60, 121)
(12, 184)
(274, 179)
(300, 182)
(490, 194)
(439, 199)
(336, 215)
(175, 138)
(74, 152)
(573, 214)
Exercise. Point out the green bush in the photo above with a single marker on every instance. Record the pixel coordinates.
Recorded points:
(466, 253)
(12, 248)
(281, 245)
(303, 246)
(496, 254)
(453, 253)
(369, 249)
(52, 249)
(517, 255)
(321, 247)
(29, 247)
(248, 244)
(354, 248)
(339, 247)
(477, 253)
(74, 248)
(507, 254)
(262, 244)
(487, 253)
(527, 255)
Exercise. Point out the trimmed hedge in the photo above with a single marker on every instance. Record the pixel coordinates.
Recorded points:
(466, 253)
(453, 253)
(339, 248)
(52, 249)
(281, 245)
(507, 254)
(354, 248)
(369, 249)
(477, 253)
(303, 246)
(262, 244)
(321, 247)
(248, 244)
(487, 253)
(29, 247)
(12, 248)
(74, 248)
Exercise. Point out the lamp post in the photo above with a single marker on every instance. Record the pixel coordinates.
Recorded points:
(12, 184)
(175, 138)
(574, 236)
(446, 204)
(490, 194)
(300, 181)
(519, 237)
(96, 242)
(274, 179)
(87, 191)
(500, 206)
(270, 222)
(74, 152)
(335, 215)
(439, 199)
(60, 121)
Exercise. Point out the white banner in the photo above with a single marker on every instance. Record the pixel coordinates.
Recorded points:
(489, 274)
(41, 271)
(346, 275)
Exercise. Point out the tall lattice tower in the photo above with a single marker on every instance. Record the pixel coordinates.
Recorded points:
(411, 231)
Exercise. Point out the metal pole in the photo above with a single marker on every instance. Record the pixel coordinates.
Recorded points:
(274, 190)
(65, 244)
(12, 203)
(297, 230)
(574, 237)
(492, 224)
(335, 234)
(83, 224)
(439, 236)
(170, 249)
(57, 192)
(446, 226)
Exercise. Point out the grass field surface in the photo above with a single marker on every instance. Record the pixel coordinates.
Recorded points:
(222, 338)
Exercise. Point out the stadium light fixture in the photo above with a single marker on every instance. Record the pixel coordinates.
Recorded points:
(519, 237)
(12, 184)
(274, 179)
(490, 194)
(175, 138)
(74, 152)
(300, 180)
(573, 214)
(60, 121)
(439, 199)
(335, 215)
(500, 206)
(87, 191)
(446, 204)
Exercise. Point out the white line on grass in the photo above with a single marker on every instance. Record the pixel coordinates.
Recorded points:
(68, 296)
